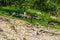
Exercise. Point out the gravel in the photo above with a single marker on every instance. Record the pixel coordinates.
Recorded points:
(21, 31)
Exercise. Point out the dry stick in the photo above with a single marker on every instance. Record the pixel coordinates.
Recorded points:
(3, 35)
(13, 27)
(50, 32)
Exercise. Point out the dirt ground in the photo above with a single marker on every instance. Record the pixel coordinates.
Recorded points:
(12, 29)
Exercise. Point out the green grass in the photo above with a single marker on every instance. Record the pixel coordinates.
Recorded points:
(11, 9)
(45, 17)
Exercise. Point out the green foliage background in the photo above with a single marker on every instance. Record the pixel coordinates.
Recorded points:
(46, 7)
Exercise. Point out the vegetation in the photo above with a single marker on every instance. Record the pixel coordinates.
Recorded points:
(38, 11)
